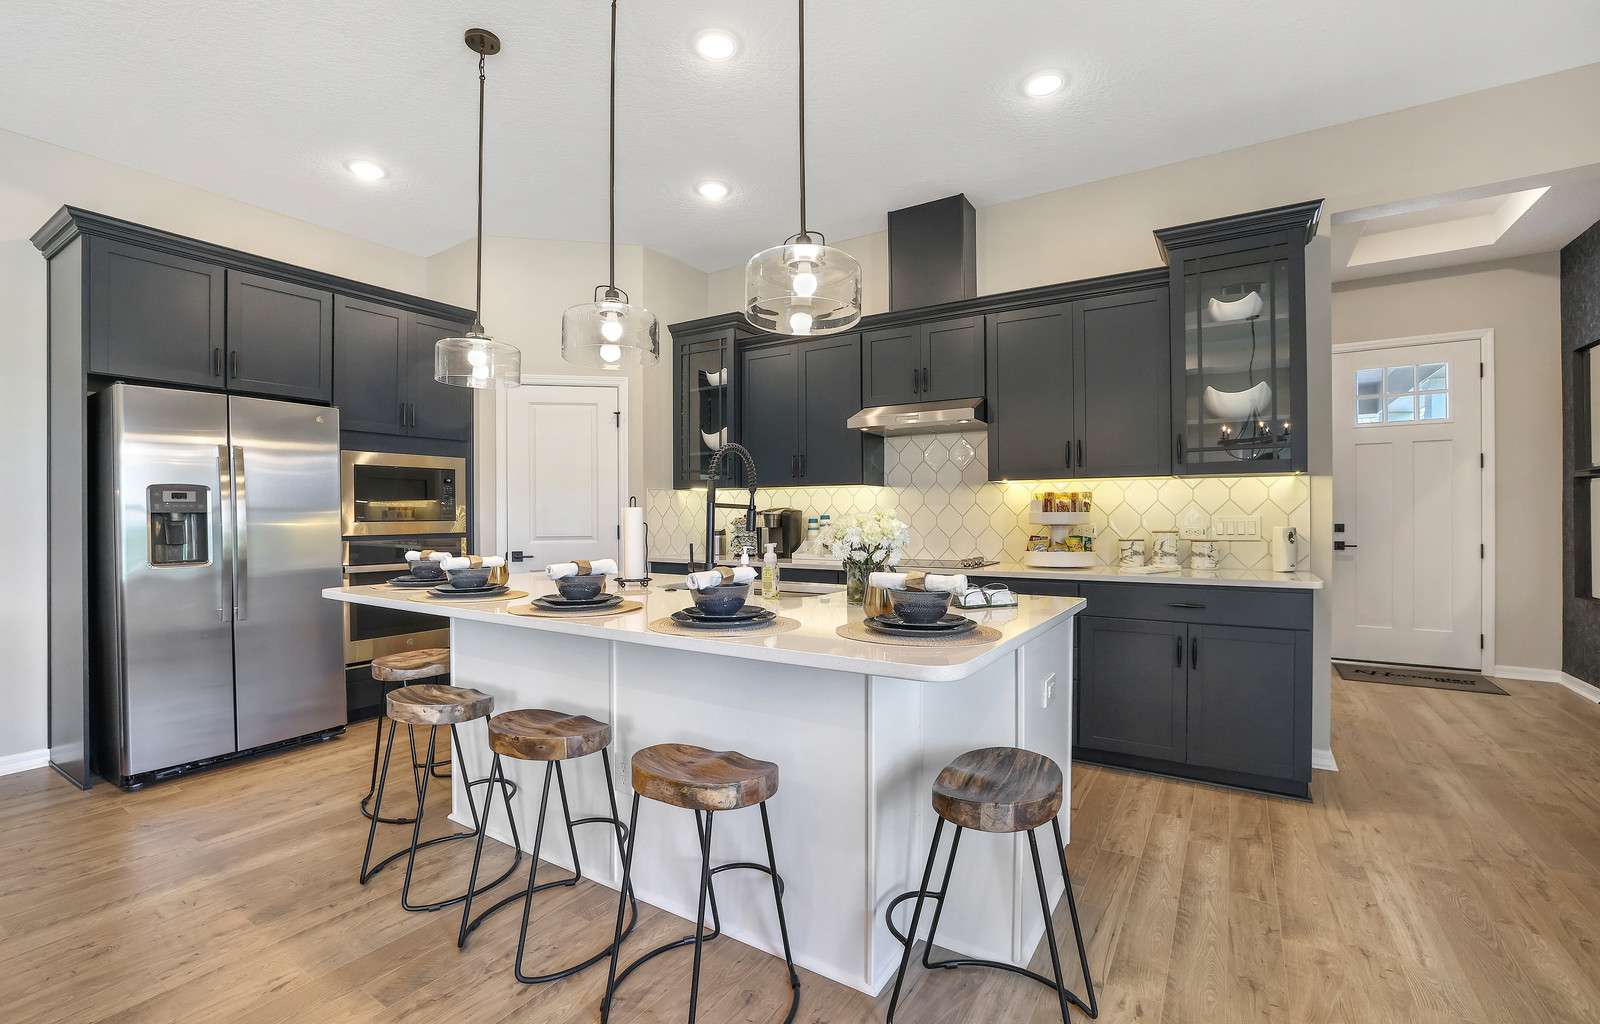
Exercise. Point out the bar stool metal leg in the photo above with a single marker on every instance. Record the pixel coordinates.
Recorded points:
(783, 925)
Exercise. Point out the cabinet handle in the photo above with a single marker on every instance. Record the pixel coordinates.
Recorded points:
(916, 380)
(1177, 652)
(1194, 652)
(1184, 604)
(233, 363)
(402, 414)
(927, 378)
(413, 414)
(1069, 455)
(1080, 453)
(216, 362)
(1178, 447)
(794, 466)
(802, 464)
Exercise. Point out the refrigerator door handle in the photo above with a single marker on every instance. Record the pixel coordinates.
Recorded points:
(241, 539)
(224, 535)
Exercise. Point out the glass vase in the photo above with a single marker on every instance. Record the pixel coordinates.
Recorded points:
(856, 572)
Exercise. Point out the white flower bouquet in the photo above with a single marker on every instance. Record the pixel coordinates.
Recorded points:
(866, 543)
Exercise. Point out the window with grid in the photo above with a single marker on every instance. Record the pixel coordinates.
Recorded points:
(1419, 393)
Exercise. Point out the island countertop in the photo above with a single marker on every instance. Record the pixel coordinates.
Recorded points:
(815, 644)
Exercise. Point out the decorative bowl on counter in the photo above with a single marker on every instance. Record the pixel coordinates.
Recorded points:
(580, 588)
(920, 606)
(426, 569)
(723, 600)
(468, 579)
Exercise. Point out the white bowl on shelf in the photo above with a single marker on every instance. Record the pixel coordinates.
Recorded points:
(1238, 405)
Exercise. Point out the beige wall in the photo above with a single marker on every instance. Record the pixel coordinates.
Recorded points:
(1520, 299)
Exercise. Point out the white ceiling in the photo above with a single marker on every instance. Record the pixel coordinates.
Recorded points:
(908, 101)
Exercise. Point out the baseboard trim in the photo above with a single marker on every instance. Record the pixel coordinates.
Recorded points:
(1322, 759)
(26, 761)
(1587, 691)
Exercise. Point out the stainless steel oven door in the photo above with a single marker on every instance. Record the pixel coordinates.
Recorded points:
(370, 632)
(382, 494)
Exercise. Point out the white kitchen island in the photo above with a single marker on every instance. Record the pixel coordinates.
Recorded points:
(859, 730)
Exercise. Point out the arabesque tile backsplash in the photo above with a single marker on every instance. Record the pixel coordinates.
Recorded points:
(954, 512)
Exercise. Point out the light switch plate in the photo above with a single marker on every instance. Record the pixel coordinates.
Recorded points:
(1236, 528)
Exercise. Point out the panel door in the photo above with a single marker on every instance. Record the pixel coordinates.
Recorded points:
(1133, 687)
(830, 390)
(769, 413)
(153, 316)
(1120, 356)
(1030, 393)
(953, 359)
(891, 366)
(288, 643)
(436, 410)
(280, 338)
(368, 366)
(563, 486)
(1248, 709)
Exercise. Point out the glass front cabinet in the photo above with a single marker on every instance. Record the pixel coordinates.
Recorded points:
(1239, 341)
(705, 413)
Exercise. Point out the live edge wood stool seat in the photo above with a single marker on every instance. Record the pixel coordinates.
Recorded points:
(397, 669)
(434, 706)
(998, 790)
(538, 734)
(705, 782)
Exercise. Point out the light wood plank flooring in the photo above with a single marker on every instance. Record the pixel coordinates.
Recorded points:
(1449, 872)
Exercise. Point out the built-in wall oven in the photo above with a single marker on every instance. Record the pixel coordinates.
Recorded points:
(383, 494)
(370, 631)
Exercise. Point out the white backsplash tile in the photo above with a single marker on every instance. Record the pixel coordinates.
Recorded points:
(954, 512)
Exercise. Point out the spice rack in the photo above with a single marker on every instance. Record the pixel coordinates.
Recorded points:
(1060, 525)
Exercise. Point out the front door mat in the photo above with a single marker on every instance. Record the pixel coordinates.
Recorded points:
(1432, 678)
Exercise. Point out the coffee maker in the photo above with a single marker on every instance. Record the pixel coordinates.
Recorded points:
(784, 528)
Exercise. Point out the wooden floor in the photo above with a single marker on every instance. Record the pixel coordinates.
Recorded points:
(1449, 872)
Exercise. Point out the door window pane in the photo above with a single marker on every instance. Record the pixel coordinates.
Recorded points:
(1433, 376)
(1433, 406)
(1369, 383)
(1413, 394)
(1369, 410)
(1401, 379)
(1400, 410)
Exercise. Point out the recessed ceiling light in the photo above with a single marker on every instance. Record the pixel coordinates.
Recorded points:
(715, 191)
(715, 44)
(1044, 83)
(366, 170)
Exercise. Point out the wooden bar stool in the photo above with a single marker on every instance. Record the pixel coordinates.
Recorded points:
(551, 737)
(705, 782)
(435, 706)
(996, 789)
(392, 670)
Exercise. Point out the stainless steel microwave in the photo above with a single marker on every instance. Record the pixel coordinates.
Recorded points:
(382, 494)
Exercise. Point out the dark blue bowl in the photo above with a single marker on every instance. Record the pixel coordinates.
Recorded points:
(920, 606)
(580, 588)
(723, 600)
(427, 569)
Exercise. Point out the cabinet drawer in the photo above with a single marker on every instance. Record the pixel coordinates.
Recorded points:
(1234, 606)
(1028, 585)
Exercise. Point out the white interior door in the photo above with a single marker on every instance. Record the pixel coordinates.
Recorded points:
(1407, 479)
(562, 482)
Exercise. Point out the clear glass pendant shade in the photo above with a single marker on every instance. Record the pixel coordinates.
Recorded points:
(610, 332)
(802, 288)
(476, 361)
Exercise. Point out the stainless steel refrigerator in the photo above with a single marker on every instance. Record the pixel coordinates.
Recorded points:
(218, 526)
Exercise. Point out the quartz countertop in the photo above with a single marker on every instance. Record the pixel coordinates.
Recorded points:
(815, 644)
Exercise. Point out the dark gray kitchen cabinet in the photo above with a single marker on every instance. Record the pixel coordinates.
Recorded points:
(280, 338)
(369, 385)
(1132, 689)
(769, 414)
(704, 408)
(1120, 353)
(155, 316)
(930, 362)
(1244, 712)
(439, 411)
(794, 399)
(1031, 393)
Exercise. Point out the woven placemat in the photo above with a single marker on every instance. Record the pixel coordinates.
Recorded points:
(781, 624)
(510, 595)
(533, 611)
(974, 638)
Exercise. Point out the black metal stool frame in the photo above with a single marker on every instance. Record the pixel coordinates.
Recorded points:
(1058, 984)
(421, 777)
(377, 748)
(702, 820)
(469, 923)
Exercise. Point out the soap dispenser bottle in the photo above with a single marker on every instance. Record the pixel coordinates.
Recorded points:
(769, 572)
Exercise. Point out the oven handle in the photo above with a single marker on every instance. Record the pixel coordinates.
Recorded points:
(386, 567)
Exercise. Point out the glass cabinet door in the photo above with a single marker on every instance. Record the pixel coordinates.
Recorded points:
(1237, 412)
(705, 379)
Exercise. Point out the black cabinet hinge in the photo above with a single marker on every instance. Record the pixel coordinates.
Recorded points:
(1480, 371)
(1481, 551)
(618, 415)
(1482, 462)
(1480, 641)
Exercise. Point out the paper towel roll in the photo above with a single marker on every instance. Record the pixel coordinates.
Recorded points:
(633, 564)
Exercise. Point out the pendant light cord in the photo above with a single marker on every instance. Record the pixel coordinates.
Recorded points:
(477, 301)
(802, 24)
(611, 159)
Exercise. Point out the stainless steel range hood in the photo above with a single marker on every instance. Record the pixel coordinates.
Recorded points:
(950, 417)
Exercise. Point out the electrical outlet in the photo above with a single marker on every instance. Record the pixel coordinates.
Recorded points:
(1194, 525)
(1047, 691)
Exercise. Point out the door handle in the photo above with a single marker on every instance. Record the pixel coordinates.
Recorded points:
(1177, 652)
(233, 364)
(1194, 652)
(241, 540)
(224, 501)
(1340, 545)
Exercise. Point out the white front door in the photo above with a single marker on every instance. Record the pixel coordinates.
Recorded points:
(562, 484)
(1407, 489)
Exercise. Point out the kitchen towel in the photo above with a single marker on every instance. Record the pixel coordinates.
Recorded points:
(598, 567)
(717, 577)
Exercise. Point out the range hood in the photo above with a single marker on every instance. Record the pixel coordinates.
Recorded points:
(950, 417)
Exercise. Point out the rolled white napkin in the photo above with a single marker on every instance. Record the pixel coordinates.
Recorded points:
(433, 556)
(493, 561)
(887, 580)
(413, 556)
(956, 584)
(717, 577)
(598, 567)
(450, 564)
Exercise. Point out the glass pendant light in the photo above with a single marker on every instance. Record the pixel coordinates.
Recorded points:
(804, 286)
(610, 332)
(477, 360)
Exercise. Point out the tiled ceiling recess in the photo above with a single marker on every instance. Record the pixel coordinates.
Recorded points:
(955, 512)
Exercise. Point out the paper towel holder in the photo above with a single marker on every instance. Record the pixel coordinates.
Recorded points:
(638, 581)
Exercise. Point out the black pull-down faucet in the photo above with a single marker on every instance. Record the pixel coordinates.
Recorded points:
(713, 472)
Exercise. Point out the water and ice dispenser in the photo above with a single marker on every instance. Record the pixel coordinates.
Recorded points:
(180, 524)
